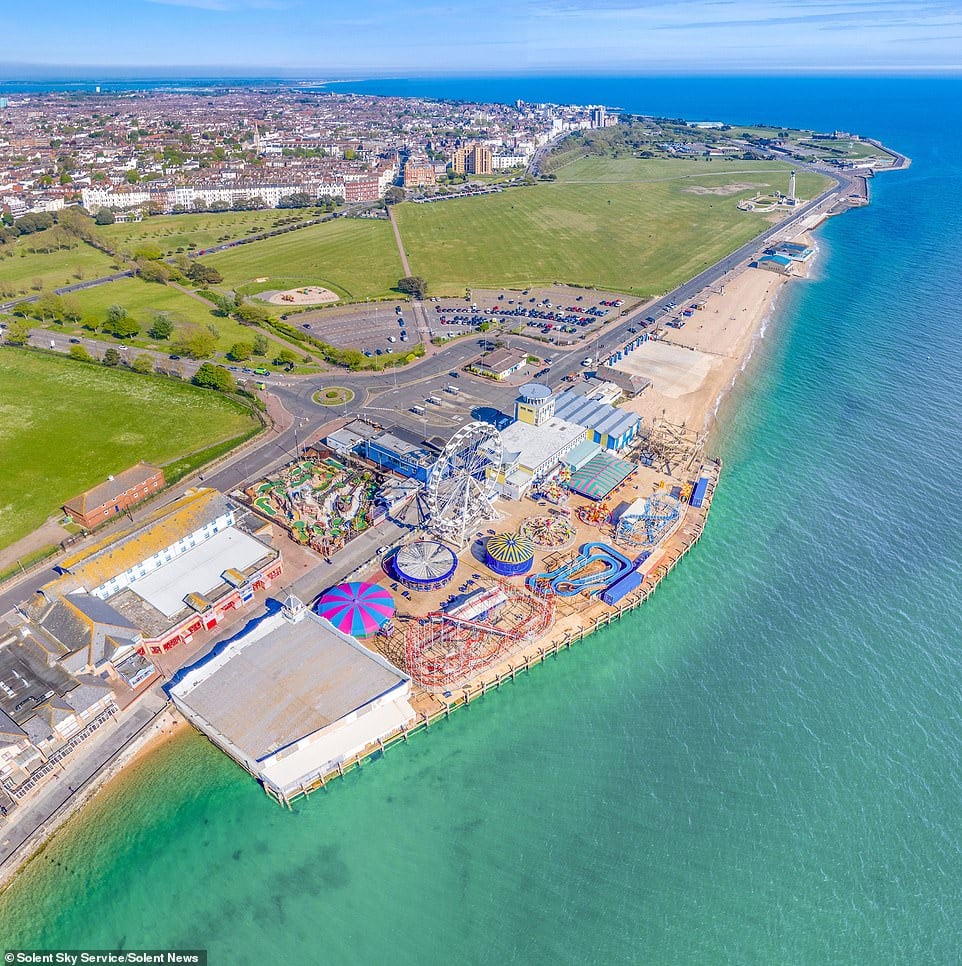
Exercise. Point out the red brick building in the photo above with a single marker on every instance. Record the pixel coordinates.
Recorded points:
(115, 495)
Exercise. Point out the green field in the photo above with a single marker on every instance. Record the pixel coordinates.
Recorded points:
(143, 300)
(628, 225)
(67, 425)
(173, 232)
(357, 258)
(22, 268)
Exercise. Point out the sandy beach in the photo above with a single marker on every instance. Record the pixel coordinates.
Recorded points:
(692, 368)
(691, 371)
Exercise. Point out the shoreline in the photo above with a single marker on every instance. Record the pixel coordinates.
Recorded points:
(165, 726)
(748, 298)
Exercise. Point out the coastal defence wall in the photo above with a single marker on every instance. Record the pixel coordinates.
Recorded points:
(432, 707)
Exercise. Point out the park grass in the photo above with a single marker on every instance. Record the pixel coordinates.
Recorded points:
(24, 270)
(68, 425)
(193, 231)
(356, 258)
(143, 300)
(637, 226)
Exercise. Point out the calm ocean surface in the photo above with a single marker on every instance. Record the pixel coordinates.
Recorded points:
(763, 765)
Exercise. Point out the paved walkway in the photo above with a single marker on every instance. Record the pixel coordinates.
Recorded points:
(49, 534)
(417, 307)
(62, 791)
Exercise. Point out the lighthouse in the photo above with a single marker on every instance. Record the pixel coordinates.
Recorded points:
(791, 188)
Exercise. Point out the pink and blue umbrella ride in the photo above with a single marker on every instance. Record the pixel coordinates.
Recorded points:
(357, 608)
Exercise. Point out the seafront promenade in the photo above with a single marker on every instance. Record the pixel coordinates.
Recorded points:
(571, 627)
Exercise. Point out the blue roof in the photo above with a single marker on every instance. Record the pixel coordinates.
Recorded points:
(581, 454)
(601, 417)
(782, 260)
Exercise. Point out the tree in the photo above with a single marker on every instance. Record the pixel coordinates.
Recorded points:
(394, 195)
(285, 356)
(261, 344)
(251, 314)
(202, 274)
(210, 376)
(298, 199)
(195, 342)
(76, 221)
(161, 327)
(413, 285)
(79, 353)
(223, 304)
(18, 333)
(104, 217)
(154, 272)
(111, 357)
(72, 310)
(240, 351)
(144, 363)
(119, 324)
(33, 222)
(49, 308)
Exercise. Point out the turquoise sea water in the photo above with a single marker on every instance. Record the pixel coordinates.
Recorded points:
(763, 765)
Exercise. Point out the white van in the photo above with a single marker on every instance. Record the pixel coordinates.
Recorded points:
(587, 361)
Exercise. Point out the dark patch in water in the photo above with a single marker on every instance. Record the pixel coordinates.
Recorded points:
(237, 854)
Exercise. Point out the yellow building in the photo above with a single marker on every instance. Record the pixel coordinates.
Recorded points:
(474, 160)
(479, 160)
(459, 161)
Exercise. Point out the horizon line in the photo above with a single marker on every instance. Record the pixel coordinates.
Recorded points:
(20, 72)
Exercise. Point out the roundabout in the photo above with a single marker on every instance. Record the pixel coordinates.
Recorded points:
(333, 396)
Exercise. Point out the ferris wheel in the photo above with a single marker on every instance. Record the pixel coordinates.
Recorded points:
(463, 482)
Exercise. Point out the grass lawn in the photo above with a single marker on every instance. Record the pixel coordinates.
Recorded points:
(357, 258)
(143, 300)
(627, 225)
(68, 425)
(171, 232)
(21, 265)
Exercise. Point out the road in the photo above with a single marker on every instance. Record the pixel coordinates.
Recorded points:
(354, 209)
(387, 397)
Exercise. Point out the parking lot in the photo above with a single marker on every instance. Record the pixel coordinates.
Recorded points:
(559, 314)
(369, 327)
(26, 680)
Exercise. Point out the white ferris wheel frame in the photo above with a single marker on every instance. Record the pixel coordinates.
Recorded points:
(457, 500)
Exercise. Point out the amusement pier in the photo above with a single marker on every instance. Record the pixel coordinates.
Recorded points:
(518, 543)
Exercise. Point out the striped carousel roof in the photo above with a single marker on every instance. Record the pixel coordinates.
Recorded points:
(510, 548)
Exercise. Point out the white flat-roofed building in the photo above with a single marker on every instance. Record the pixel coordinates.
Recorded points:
(292, 698)
(199, 569)
(531, 452)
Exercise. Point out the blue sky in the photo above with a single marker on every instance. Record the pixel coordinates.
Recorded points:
(368, 37)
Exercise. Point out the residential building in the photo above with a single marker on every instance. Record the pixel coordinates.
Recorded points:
(419, 173)
(478, 160)
(115, 495)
